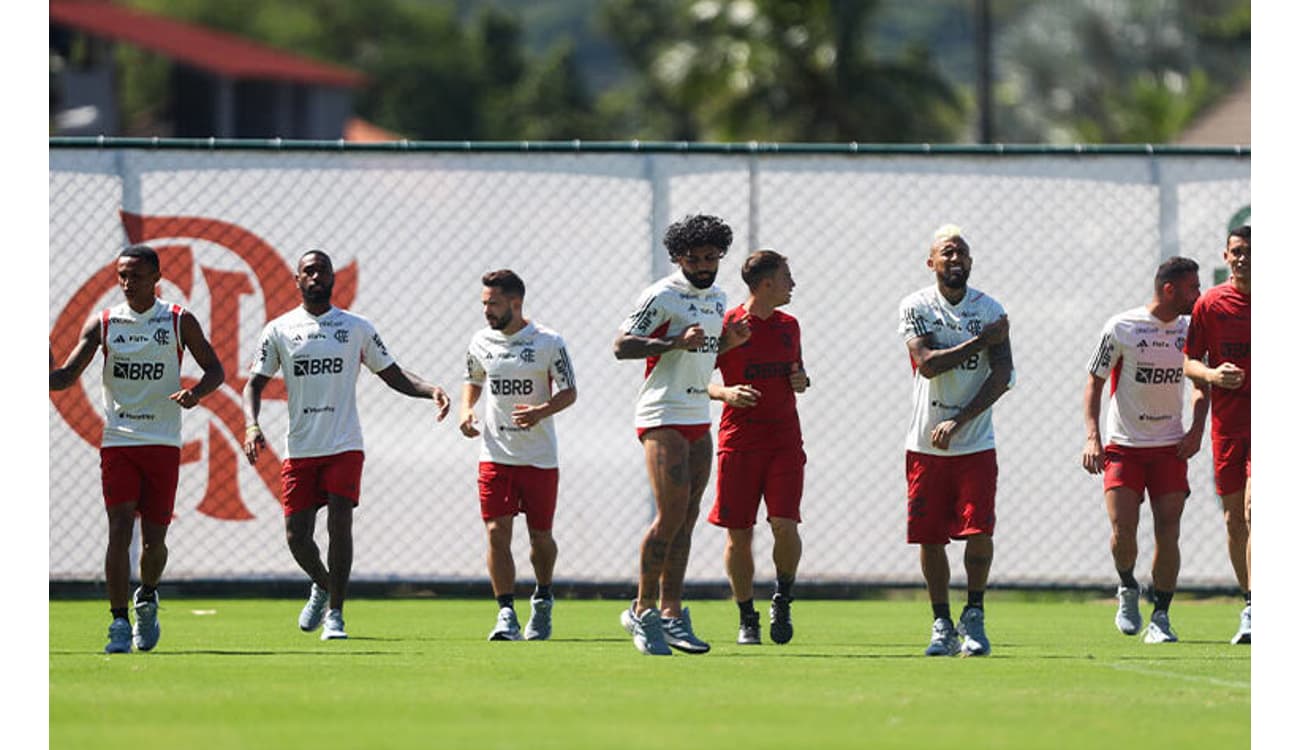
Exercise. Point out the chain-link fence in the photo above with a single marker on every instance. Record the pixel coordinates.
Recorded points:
(1062, 239)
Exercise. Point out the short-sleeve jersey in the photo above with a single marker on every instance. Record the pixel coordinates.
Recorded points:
(765, 362)
(1143, 358)
(518, 369)
(320, 358)
(142, 368)
(927, 313)
(676, 386)
(1220, 332)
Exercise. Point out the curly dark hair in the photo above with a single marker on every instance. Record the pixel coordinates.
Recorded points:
(698, 230)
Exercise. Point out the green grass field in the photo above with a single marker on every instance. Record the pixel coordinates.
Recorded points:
(419, 673)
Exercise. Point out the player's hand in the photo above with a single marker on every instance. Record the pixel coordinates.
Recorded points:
(254, 442)
(941, 435)
(1228, 375)
(1190, 445)
(799, 379)
(527, 415)
(736, 334)
(995, 332)
(467, 421)
(691, 338)
(442, 403)
(1094, 459)
(185, 397)
(741, 396)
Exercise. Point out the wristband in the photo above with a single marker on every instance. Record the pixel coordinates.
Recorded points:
(252, 429)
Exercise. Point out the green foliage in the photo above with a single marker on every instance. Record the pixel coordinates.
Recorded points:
(774, 70)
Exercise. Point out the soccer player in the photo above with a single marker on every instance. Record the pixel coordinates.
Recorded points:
(1220, 333)
(530, 378)
(1146, 450)
(760, 446)
(320, 349)
(677, 328)
(958, 339)
(144, 340)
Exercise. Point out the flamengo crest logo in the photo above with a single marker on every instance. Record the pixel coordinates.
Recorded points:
(267, 275)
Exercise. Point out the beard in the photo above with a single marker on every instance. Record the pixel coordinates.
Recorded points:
(318, 294)
(498, 324)
(701, 279)
(956, 278)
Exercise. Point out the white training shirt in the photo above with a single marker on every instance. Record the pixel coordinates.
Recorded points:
(927, 313)
(142, 368)
(1143, 357)
(676, 386)
(518, 369)
(320, 358)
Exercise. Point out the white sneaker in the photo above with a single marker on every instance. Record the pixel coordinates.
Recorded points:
(1159, 631)
(119, 636)
(314, 610)
(1243, 632)
(943, 639)
(147, 630)
(333, 626)
(507, 627)
(1128, 618)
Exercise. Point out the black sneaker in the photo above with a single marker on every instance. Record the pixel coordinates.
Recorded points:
(781, 629)
(750, 630)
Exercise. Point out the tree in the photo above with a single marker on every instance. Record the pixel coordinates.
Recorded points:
(774, 70)
(1099, 71)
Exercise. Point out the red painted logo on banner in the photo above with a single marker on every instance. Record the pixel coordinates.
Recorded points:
(267, 275)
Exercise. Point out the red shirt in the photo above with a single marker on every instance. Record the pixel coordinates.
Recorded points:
(1220, 328)
(765, 362)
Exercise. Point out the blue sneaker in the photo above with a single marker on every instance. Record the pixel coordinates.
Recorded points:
(1160, 631)
(539, 621)
(943, 639)
(119, 636)
(647, 631)
(147, 630)
(971, 627)
(679, 635)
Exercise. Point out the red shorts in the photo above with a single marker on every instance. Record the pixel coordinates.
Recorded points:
(1231, 464)
(950, 497)
(776, 476)
(691, 432)
(142, 474)
(505, 490)
(1157, 471)
(304, 482)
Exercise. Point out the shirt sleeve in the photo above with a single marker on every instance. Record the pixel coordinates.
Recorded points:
(1103, 357)
(475, 373)
(561, 368)
(911, 320)
(373, 352)
(1197, 345)
(266, 360)
(648, 315)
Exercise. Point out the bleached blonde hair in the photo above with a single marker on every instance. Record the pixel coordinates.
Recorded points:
(946, 232)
